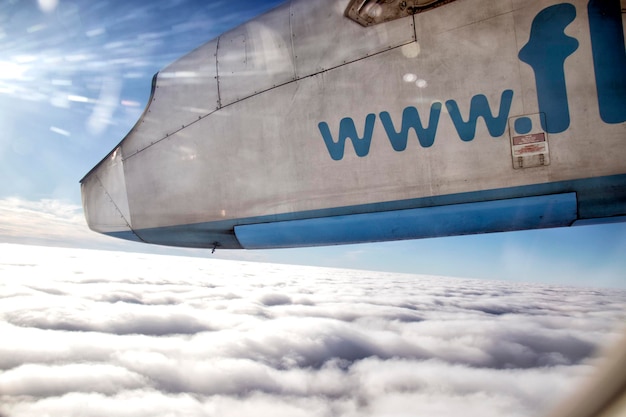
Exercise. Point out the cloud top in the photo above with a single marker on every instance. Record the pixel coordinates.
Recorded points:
(96, 333)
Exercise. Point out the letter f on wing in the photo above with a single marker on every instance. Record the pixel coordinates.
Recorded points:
(545, 52)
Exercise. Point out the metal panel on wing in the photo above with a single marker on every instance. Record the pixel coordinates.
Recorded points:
(178, 181)
(321, 43)
(105, 189)
(183, 92)
(256, 56)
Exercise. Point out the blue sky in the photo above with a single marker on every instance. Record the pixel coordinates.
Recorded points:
(76, 75)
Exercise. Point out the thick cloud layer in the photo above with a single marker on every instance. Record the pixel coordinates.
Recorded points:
(93, 333)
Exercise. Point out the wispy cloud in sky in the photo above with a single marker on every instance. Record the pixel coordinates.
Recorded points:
(47, 222)
(95, 333)
(51, 222)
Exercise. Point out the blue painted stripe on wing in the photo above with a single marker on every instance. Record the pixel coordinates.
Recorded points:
(459, 219)
(125, 234)
(599, 197)
(606, 220)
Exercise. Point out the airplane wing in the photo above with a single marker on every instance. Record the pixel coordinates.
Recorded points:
(328, 122)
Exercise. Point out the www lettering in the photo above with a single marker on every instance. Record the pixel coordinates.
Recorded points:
(545, 52)
(411, 120)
